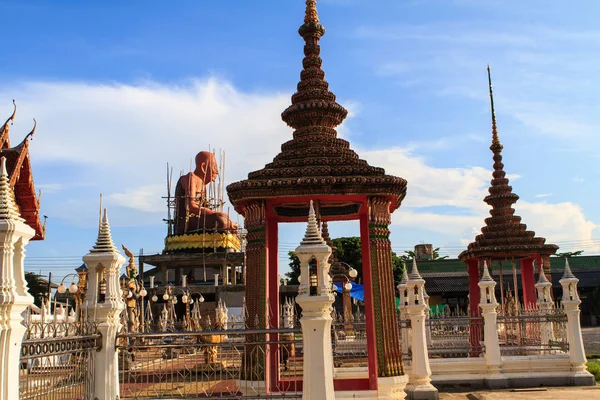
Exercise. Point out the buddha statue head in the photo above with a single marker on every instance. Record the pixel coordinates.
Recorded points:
(206, 167)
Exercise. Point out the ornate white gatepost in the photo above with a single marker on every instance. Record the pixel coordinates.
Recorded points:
(104, 263)
(404, 331)
(489, 305)
(545, 304)
(315, 298)
(14, 297)
(419, 383)
(570, 301)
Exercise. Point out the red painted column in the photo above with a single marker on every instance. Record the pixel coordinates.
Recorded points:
(273, 301)
(369, 307)
(473, 269)
(475, 326)
(528, 283)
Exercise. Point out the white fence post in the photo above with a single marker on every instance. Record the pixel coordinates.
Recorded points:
(404, 331)
(14, 297)
(419, 384)
(544, 304)
(104, 263)
(315, 298)
(488, 304)
(570, 301)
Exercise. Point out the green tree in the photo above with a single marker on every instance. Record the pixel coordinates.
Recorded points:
(409, 255)
(37, 287)
(349, 251)
(570, 254)
(294, 272)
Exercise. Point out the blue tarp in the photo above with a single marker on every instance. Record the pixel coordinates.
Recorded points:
(357, 292)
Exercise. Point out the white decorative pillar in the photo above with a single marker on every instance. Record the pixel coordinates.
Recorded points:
(287, 314)
(570, 301)
(427, 326)
(419, 383)
(104, 262)
(544, 303)
(316, 312)
(404, 330)
(489, 305)
(14, 298)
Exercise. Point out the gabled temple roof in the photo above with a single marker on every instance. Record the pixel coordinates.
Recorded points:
(503, 234)
(18, 165)
(315, 161)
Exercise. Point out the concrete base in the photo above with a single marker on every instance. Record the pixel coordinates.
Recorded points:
(392, 388)
(252, 388)
(496, 381)
(582, 378)
(422, 392)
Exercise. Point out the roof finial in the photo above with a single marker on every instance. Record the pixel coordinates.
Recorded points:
(311, 16)
(313, 234)
(8, 206)
(404, 279)
(104, 243)
(5, 128)
(414, 273)
(568, 274)
(495, 139)
(486, 277)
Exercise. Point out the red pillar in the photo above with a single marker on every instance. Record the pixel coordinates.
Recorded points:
(474, 311)
(528, 283)
(273, 300)
(369, 307)
(473, 269)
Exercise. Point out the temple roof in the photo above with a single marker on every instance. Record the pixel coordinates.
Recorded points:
(315, 161)
(503, 234)
(18, 165)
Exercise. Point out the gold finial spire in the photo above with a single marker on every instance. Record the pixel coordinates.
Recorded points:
(495, 139)
(311, 16)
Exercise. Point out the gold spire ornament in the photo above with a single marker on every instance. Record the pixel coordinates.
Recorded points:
(311, 16)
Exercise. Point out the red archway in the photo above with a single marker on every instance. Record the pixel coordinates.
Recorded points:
(317, 165)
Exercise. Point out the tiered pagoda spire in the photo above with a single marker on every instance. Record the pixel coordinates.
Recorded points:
(313, 105)
(503, 234)
(315, 161)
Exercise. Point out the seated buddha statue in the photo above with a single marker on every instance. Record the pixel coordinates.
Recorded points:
(192, 212)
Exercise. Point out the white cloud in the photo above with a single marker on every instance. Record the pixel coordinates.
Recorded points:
(463, 189)
(431, 186)
(578, 180)
(542, 195)
(144, 198)
(556, 222)
(50, 187)
(118, 139)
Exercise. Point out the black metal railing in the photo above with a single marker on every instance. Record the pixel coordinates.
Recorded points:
(57, 361)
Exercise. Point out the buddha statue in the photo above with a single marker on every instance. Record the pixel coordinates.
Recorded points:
(192, 212)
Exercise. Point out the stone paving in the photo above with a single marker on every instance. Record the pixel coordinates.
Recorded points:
(591, 339)
(558, 393)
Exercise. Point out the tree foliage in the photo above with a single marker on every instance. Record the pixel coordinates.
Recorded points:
(409, 255)
(349, 251)
(569, 254)
(37, 287)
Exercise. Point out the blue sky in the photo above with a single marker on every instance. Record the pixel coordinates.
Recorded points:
(121, 88)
